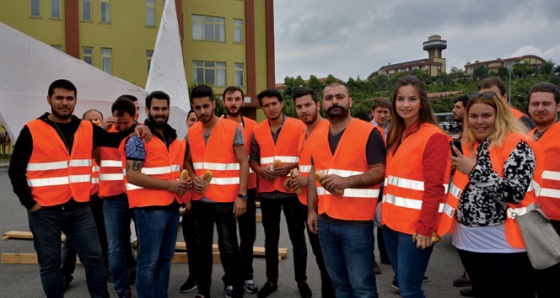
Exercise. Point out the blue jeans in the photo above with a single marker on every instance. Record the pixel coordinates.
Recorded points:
(76, 221)
(348, 254)
(408, 262)
(157, 237)
(117, 225)
(205, 215)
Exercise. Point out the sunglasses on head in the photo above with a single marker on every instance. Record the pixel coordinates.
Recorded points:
(486, 95)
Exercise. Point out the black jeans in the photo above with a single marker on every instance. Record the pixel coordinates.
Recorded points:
(547, 279)
(271, 209)
(205, 214)
(189, 233)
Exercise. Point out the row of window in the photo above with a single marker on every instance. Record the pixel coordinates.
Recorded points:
(210, 28)
(86, 12)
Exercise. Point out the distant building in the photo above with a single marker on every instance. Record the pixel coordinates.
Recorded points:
(433, 65)
(282, 86)
(494, 65)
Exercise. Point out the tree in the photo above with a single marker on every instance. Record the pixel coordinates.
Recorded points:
(547, 67)
(480, 72)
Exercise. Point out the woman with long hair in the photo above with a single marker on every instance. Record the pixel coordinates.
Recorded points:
(416, 177)
(490, 187)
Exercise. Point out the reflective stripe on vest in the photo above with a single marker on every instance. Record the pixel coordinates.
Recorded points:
(216, 166)
(304, 169)
(287, 159)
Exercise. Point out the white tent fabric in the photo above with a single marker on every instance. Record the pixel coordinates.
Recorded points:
(28, 67)
(167, 72)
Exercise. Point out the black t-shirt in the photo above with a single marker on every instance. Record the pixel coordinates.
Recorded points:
(375, 147)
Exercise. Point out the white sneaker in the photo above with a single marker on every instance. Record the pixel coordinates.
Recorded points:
(228, 291)
(251, 286)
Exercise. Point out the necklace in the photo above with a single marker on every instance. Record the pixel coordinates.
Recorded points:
(63, 137)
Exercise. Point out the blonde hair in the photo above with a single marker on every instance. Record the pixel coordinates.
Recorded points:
(504, 124)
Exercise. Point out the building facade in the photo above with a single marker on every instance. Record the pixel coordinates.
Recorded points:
(494, 65)
(225, 42)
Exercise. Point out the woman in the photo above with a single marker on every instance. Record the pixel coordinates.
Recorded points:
(493, 173)
(415, 178)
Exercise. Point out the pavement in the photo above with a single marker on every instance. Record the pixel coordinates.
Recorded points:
(24, 280)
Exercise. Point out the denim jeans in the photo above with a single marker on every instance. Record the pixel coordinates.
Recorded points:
(117, 225)
(348, 253)
(205, 215)
(408, 262)
(157, 236)
(271, 209)
(327, 290)
(76, 222)
(189, 233)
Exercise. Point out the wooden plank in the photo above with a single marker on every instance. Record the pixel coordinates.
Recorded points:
(181, 258)
(258, 251)
(259, 217)
(31, 258)
(17, 235)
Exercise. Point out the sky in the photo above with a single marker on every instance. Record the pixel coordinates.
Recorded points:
(353, 38)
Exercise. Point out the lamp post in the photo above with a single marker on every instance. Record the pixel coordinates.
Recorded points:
(509, 66)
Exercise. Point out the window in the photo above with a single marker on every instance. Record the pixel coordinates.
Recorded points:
(239, 74)
(209, 73)
(150, 13)
(86, 10)
(35, 8)
(106, 57)
(237, 30)
(208, 28)
(105, 11)
(149, 54)
(55, 9)
(57, 46)
(87, 55)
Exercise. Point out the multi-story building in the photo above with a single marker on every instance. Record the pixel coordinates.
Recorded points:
(494, 65)
(225, 42)
(433, 65)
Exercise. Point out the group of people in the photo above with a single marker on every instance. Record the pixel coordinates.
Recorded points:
(338, 177)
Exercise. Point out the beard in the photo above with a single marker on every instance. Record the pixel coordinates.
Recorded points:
(341, 113)
(61, 116)
(312, 119)
(233, 114)
(204, 119)
(157, 122)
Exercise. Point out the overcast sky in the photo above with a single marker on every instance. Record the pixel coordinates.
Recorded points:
(351, 38)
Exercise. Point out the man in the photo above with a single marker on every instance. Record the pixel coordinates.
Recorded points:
(216, 145)
(307, 109)
(191, 119)
(118, 215)
(352, 165)
(155, 194)
(234, 99)
(496, 85)
(544, 105)
(381, 110)
(50, 171)
(273, 155)
(459, 109)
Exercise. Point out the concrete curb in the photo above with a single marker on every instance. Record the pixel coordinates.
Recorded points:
(4, 164)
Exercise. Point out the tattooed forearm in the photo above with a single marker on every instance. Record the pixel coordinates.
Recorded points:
(137, 165)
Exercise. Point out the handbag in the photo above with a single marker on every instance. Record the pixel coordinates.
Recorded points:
(541, 240)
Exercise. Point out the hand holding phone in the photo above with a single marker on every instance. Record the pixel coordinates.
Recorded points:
(457, 144)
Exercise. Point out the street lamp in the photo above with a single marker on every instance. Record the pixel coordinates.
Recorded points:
(509, 66)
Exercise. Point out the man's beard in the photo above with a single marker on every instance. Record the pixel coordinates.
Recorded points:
(59, 116)
(156, 124)
(343, 113)
(233, 114)
(313, 118)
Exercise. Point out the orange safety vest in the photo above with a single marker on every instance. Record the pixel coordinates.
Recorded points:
(349, 159)
(53, 175)
(304, 159)
(404, 181)
(160, 163)
(549, 197)
(111, 174)
(249, 127)
(516, 113)
(218, 157)
(94, 177)
(498, 156)
(284, 150)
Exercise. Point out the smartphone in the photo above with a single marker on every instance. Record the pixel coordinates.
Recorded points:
(457, 144)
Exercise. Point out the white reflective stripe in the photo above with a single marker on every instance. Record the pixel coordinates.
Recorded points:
(175, 168)
(405, 183)
(130, 186)
(551, 175)
(111, 177)
(111, 163)
(251, 170)
(550, 193)
(290, 159)
(445, 188)
(156, 170)
(44, 166)
(365, 193)
(534, 186)
(80, 162)
(454, 190)
(80, 178)
(266, 160)
(221, 166)
(324, 172)
(95, 180)
(447, 209)
(304, 169)
(343, 173)
(47, 181)
(225, 181)
(197, 165)
(403, 202)
(514, 212)
(94, 169)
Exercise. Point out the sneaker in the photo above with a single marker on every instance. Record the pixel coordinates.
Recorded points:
(425, 278)
(125, 294)
(395, 285)
(267, 289)
(228, 291)
(304, 290)
(190, 285)
(66, 280)
(462, 281)
(251, 286)
(376, 268)
(467, 292)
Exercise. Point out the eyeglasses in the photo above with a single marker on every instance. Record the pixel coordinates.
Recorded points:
(485, 95)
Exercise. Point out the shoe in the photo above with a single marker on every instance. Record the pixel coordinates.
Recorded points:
(190, 285)
(125, 294)
(304, 290)
(462, 281)
(467, 292)
(376, 268)
(395, 285)
(228, 291)
(425, 278)
(267, 289)
(131, 273)
(385, 261)
(66, 280)
(251, 286)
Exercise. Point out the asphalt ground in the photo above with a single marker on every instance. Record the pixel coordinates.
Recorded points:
(24, 281)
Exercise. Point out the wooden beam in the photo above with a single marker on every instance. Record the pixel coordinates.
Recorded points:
(258, 251)
(31, 258)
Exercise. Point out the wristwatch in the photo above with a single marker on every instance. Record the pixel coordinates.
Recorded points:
(243, 197)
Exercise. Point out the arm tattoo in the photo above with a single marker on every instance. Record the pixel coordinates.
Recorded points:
(137, 165)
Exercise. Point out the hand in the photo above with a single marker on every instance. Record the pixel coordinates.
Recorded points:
(239, 207)
(332, 181)
(177, 186)
(267, 174)
(37, 207)
(283, 170)
(198, 184)
(287, 184)
(462, 163)
(298, 181)
(143, 132)
(109, 121)
(312, 222)
(422, 242)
